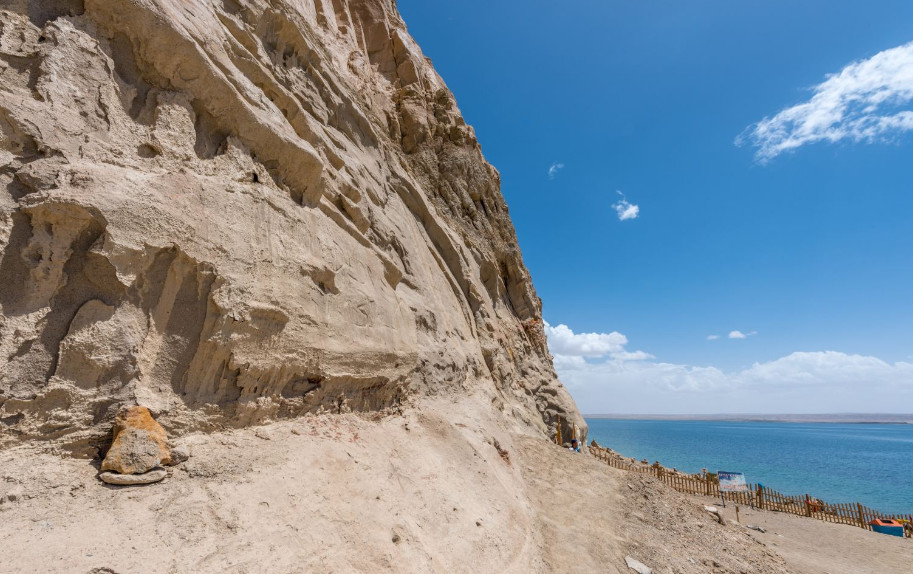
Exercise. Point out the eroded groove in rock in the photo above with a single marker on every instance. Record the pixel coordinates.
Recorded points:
(234, 211)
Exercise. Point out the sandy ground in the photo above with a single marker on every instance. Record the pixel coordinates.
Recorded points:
(811, 546)
(443, 488)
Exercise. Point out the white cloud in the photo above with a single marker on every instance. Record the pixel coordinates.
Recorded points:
(620, 381)
(804, 382)
(625, 209)
(864, 102)
(632, 356)
(569, 362)
(563, 341)
(554, 169)
(822, 369)
(740, 335)
(571, 349)
(712, 337)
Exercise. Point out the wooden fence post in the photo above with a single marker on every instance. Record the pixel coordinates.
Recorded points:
(862, 522)
(841, 513)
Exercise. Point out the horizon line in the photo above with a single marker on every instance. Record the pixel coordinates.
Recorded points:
(833, 417)
(843, 413)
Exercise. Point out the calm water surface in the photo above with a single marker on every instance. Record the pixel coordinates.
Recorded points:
(867, 463)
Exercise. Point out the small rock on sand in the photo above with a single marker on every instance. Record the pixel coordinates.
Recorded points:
(179, 454)
(638, 566)
(715, 512)
(154, 475)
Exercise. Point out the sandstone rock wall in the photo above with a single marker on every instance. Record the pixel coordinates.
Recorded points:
(231, 211)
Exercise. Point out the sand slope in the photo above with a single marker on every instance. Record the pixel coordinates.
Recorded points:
(345, 493)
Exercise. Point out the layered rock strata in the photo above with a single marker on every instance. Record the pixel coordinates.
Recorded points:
(239, 210)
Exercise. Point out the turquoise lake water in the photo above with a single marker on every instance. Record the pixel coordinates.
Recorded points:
(867, 463)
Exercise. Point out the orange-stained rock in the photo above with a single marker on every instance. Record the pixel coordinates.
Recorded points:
(140, 443)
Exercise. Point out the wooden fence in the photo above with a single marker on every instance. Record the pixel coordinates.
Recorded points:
(758, 496)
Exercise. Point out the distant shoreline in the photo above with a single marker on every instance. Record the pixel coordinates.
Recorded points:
(838, 418)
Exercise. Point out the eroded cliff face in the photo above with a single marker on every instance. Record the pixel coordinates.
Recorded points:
(231, 211)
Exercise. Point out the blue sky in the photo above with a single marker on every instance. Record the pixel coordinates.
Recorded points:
(770, 200)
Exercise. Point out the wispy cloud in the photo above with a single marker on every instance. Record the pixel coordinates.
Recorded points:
(632, 356)
(554, 169)
(741, 335)
(867, 101)
(823, 381)
(712, 337)
(634, 382)
(625, 209)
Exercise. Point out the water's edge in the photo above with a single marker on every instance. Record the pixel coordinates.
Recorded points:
(870, 463)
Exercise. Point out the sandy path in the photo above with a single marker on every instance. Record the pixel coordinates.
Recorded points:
(591, 516)
(812, 546)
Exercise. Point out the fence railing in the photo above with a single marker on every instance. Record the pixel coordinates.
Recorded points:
(852, 513)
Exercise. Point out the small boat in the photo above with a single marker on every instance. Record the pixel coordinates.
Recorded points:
(887, 526)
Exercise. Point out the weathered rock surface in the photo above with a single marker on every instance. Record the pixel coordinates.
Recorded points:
(140, 444)
(241, 210)
(149, 477)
